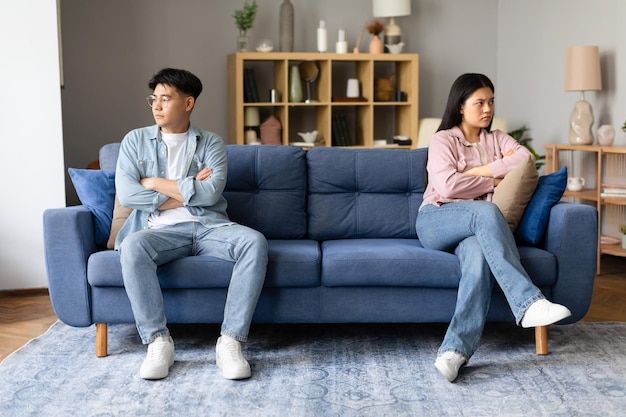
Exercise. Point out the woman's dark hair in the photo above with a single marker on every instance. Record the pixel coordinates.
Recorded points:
(462, 88)
(182, 80)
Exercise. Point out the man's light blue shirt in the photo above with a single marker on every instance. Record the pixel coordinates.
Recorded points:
(143, 154)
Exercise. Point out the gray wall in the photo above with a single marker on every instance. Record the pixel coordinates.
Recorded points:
(112, 47)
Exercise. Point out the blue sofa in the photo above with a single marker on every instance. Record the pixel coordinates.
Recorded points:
(342, 248)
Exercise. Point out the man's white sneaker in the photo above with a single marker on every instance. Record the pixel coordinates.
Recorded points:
(159, 359)
(230, 360)
(448, 365)
(543, 312)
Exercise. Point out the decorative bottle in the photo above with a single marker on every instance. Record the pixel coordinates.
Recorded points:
(285, 27)
(322, 37)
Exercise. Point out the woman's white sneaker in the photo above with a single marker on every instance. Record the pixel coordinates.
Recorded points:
(448, 364)
(230, 360)
(543, 312)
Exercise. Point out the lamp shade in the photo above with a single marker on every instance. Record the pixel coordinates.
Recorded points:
(582, 69)
(391, 8)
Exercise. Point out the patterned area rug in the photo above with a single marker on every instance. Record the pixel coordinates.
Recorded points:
(322, 370)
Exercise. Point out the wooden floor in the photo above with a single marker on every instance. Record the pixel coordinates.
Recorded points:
(28, 314)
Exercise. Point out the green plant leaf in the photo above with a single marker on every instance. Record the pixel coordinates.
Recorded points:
(244, 18)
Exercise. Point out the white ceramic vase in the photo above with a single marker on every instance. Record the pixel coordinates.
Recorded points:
(606, 135)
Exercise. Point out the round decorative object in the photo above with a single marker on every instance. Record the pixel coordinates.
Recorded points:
(606, 135)
(265, 45)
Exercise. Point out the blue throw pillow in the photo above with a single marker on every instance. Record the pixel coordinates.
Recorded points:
(96, 190)
(534, 223)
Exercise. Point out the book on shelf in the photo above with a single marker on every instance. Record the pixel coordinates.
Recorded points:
(250, 89)
(613, 190)
(341, 133)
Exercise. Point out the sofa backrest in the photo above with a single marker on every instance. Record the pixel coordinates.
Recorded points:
(265, 188)
(364, 193)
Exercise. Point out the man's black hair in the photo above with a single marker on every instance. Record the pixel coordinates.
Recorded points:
(183, 80)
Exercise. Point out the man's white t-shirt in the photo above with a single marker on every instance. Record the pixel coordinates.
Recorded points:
(175, 143)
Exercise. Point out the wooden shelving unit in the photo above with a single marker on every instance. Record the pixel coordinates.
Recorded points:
(368, 119)
(610, 168)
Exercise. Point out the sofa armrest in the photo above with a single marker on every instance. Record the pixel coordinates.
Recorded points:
(69, 240)
(572, 236)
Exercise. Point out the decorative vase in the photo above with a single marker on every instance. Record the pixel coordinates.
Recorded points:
(285, 27)
(242, 41)
(606, 135)
(295, 84)
(376, 45)
(623, 241)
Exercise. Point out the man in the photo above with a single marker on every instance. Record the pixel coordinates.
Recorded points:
(172, 175)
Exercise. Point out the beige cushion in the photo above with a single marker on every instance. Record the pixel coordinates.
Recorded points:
(515, 191)
(120, 214)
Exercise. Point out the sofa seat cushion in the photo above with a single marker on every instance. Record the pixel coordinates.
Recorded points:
(292, 263)
(406, 263)
(387, 263)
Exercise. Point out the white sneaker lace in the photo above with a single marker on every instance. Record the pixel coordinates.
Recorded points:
(156, 350)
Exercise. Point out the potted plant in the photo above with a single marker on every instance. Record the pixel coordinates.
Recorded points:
(622, 230)
(624, 127)
(518, 135)
(244, 20)
(375, 27)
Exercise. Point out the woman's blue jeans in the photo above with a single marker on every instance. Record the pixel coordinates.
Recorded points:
(143, 251)
(479, 235)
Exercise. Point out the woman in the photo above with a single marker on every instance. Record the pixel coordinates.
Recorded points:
(465, 163)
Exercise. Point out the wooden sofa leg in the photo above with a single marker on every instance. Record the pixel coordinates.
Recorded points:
(541, 340)
(101, 340)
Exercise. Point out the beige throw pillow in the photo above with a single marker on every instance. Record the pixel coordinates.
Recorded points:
(515, 191)
(120, 214)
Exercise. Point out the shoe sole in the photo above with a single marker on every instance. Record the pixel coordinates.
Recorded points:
(233, 374)
(539, 323)
(158, 374)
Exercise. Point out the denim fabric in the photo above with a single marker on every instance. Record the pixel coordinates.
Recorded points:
(143, 251)
(478, 233)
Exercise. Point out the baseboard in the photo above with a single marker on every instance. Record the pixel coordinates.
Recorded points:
(28, 292)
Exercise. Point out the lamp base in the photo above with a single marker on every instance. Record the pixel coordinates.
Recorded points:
(580, 123)
(393, 33)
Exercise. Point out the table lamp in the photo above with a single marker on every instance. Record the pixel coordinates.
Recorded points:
(582, 73)
(392, 9)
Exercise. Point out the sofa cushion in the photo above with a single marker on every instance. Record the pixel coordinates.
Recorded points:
(120, 214)
(96, 191)
(364, 193)
(406, 263)
(266, 189)
(387, 263)
(292, 263)
(550, 189)
(515, 191)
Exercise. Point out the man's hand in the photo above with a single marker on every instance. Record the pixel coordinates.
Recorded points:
(204, 174)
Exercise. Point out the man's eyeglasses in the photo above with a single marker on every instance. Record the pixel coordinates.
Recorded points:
(165, 100)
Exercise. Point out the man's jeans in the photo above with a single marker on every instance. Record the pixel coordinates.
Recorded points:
(479, 235)
(143, 251)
